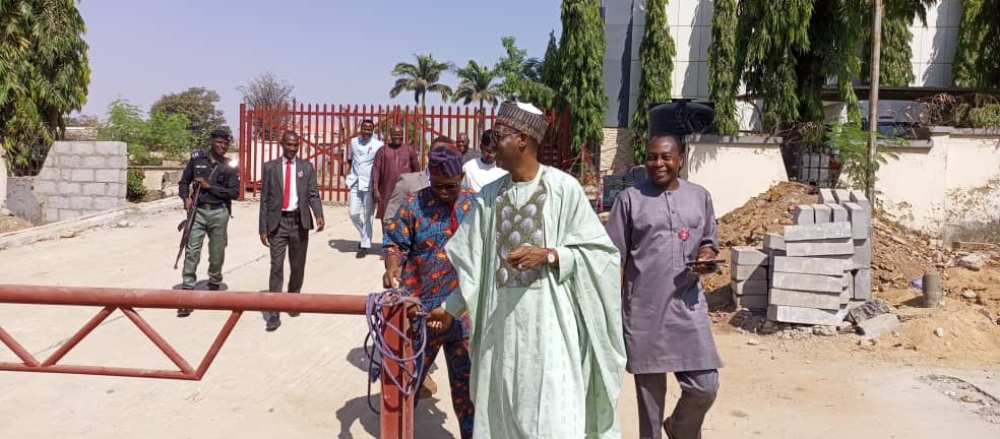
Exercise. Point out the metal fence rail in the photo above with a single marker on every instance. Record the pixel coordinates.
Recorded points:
(396, 406)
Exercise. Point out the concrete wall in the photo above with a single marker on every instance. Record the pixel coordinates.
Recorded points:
(78, 178)
(21, 201)
(951, 181)
(617, 154)
(733, 169)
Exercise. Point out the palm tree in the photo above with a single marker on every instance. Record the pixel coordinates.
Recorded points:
(477, 84)
(420, 78)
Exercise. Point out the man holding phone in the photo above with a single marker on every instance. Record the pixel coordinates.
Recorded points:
(664, 228)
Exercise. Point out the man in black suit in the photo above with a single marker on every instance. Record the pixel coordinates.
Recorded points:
(288, 193)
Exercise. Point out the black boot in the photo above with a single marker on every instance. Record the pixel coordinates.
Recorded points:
(184, 312)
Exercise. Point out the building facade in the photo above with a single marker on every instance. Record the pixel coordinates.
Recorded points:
(690, 24)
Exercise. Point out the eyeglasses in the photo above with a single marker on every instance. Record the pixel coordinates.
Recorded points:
(496, 137)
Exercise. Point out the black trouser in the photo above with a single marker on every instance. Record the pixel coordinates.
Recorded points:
(290, 236)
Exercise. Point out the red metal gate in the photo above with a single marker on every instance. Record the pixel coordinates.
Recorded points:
(396, 405)
(325, 131)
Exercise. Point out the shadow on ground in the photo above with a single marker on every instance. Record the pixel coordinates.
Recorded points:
(429, 419)
(720, 300)
(359, 359)
(351, 246)
(202, 285)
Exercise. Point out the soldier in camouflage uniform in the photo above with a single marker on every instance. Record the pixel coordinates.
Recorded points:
(220, 185)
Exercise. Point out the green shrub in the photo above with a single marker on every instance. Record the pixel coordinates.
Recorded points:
(986, 116)
(136, 190)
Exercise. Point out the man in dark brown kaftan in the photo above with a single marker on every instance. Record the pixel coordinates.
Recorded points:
(658, 226)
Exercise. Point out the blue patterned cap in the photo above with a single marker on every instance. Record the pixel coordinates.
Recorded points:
(445, 161)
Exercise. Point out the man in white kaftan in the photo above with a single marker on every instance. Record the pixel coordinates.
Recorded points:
(540, 279)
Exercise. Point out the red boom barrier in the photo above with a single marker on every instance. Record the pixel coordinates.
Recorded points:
(396, 406)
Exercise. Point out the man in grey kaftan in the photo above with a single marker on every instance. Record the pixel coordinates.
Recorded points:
(658, 226)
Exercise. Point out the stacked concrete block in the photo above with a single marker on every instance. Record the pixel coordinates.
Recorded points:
(814, 273)
(774, 246)
(749, 277)
(822, 263)
(810, 274)
(81, 178)
(859, 211)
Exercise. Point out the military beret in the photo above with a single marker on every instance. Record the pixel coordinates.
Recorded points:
(220, 133)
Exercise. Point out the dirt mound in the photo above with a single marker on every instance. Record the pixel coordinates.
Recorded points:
(969, 329)
(900, 255)
(13, 224)
(767, 212)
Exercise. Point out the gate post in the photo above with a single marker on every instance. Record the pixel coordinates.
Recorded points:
(397, 406)
(243, 144)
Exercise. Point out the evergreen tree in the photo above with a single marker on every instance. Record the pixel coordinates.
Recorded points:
(836, 29)
(769, 45)
(551, 69)
(723, 78)
(521, 76)
(656, 55)
(970, 39)
(582, 49)
(787, 58)
(977, 55)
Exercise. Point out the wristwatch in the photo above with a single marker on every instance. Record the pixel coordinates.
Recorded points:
(551, 257)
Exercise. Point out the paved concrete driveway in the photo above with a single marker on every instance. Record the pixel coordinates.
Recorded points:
(308, 379)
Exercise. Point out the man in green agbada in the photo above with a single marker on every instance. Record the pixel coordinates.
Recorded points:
(540, 279)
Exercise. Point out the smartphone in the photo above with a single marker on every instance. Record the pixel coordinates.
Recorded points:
(706, 262)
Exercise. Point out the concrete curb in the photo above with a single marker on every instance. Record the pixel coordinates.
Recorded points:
(71, 227)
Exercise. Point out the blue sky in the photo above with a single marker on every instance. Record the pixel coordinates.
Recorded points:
(333, 51)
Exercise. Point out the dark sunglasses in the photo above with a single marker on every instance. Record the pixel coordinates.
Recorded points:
(495, 136)
(445, 186)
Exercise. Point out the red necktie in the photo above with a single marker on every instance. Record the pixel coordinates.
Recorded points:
(288, 184)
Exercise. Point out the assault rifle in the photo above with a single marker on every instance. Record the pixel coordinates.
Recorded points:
(185, 225)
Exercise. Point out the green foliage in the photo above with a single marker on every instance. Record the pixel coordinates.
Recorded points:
(582, 48)
(787, 58)
(421, 78)
(198, 105)
(550, 71)
(970, 39)
(135, 190)
(895, 67)
(966, 111)
(522, 77)
(656, 54)
(850, 143)
(160, 133)
(768, 45)
(723, 76)
(985, 116)
(44, 74)
(977, 55)
(836, 29)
